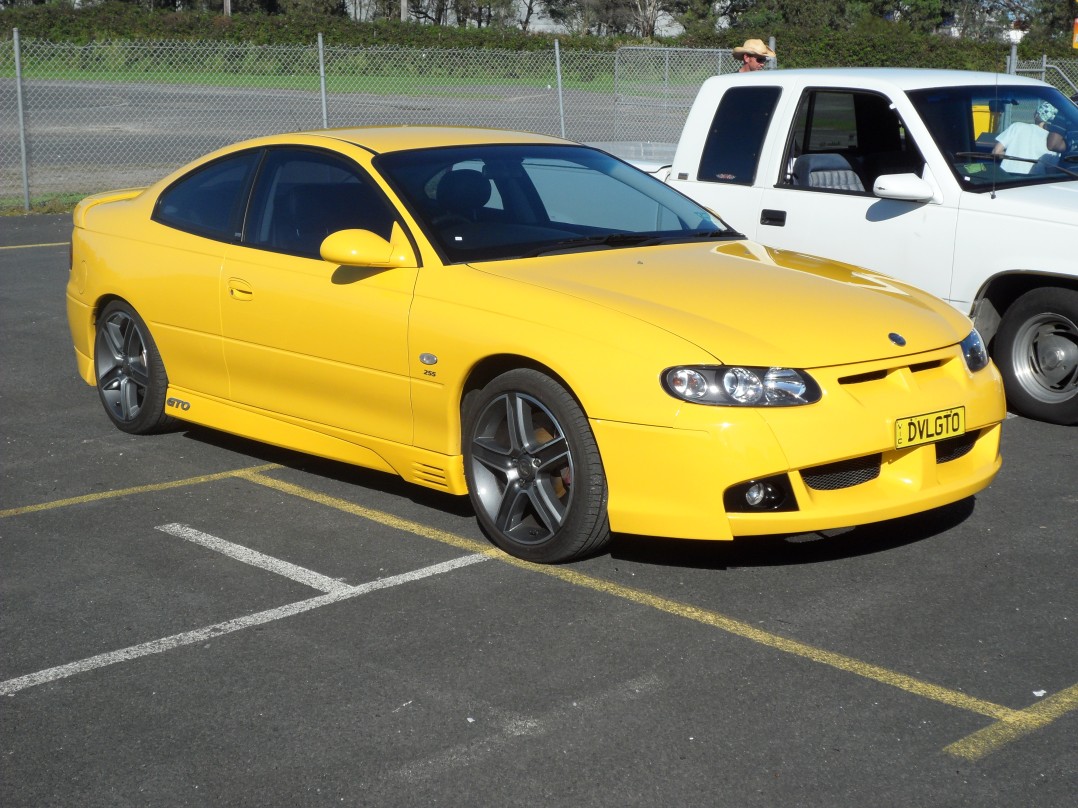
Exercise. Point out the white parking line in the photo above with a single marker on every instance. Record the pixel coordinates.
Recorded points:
(256, 559)
(12, 686)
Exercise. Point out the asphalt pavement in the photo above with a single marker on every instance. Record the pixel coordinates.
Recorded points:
(195, 619)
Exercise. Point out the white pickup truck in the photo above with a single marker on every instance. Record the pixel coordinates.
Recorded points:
(895, 170)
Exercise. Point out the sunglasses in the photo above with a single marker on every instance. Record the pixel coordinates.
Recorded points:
(760, 59)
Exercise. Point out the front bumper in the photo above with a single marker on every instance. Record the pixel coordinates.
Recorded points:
(838, 457)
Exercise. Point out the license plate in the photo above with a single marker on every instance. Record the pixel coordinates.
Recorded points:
(930, 427)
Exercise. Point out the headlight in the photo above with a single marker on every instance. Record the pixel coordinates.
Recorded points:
(975, 353)
(738, 386)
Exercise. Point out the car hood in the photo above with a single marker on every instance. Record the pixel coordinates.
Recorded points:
(747, 304)
(1055, 202)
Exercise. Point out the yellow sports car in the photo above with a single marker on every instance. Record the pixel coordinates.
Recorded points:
(531, 322)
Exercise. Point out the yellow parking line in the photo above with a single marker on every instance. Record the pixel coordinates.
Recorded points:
(123, 492)
(1009, 724)
(31, 246)
(382, 518)
(952, 698)
(991, 738)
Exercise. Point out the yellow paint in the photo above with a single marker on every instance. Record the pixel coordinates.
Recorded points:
(1010, 724)
(1018, 724)
(33, 246)
(126, 492)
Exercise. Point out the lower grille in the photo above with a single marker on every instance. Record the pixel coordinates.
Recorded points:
(954, 448)
(844, 474)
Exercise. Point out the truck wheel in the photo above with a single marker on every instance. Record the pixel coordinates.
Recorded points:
(131, 378)
(1037, 353)
(533, 469)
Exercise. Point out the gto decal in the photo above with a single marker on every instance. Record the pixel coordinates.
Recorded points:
(178, 403)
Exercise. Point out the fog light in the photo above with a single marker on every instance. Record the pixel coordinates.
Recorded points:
(758, 494)
(769, 494)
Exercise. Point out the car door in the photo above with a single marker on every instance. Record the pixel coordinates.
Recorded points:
(306, 340)
(197, 217)
(822, 201)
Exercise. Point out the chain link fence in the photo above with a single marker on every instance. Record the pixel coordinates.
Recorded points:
(75, 119)
(85, 118)
(1062, 73)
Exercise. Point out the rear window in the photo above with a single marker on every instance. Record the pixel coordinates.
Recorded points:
(732, 151)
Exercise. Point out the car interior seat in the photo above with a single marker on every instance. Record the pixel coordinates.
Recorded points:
(310, 212)
(462, 193)
(828, 171)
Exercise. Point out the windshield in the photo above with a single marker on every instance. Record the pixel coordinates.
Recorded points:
(490, 202)
(995, 136)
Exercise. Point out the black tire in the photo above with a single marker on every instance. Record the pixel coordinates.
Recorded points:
(533, 468)
(1036, 351)
(131, 379)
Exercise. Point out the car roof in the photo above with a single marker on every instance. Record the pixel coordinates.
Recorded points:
(385, 139)
(902, 78)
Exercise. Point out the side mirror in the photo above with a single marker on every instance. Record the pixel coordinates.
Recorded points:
(362, 248)
(904, 187)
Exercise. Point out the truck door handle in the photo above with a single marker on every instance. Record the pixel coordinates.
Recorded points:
(777, 218)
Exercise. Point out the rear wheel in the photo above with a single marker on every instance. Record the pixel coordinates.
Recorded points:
(533, 469)
(131, 379)
(1037, 353)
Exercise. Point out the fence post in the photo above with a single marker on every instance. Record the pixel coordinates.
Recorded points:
(322, 80)
(561, 101)
(22, 123)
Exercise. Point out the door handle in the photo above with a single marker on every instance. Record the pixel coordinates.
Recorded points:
(775, 218)
(240, 290)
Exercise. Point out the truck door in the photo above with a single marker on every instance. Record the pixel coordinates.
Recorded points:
(821, 200)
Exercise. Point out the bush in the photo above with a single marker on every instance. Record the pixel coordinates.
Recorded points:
(874, 42)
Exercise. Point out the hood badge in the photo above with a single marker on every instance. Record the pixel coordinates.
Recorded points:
(897, 339)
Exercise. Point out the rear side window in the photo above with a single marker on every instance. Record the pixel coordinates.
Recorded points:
(732, 151)
(209, 201)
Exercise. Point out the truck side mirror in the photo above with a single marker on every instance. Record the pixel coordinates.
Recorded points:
(904, 187)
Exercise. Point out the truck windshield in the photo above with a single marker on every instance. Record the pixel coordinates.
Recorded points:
(1003, 135)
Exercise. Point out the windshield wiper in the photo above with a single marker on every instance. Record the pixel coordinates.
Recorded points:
(625, 240)
(590, 242)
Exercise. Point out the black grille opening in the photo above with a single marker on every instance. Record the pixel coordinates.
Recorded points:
(954, 448)
(861, 378)
(844, 474)
(923, 366)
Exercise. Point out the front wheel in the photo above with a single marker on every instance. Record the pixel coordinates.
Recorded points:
(1037, 353)
(131, 378)
(533, 469)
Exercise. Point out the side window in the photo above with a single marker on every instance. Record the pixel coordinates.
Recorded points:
(303, 195)
(208, 201)
(732, 151)
(842, 141)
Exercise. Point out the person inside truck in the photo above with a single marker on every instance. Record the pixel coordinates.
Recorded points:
(753, 55)
(1029, 141)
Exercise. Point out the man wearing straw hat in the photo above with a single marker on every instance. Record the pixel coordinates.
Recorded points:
(753, 55)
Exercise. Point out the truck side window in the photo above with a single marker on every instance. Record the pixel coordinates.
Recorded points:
(736, 138)
(842, 141)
